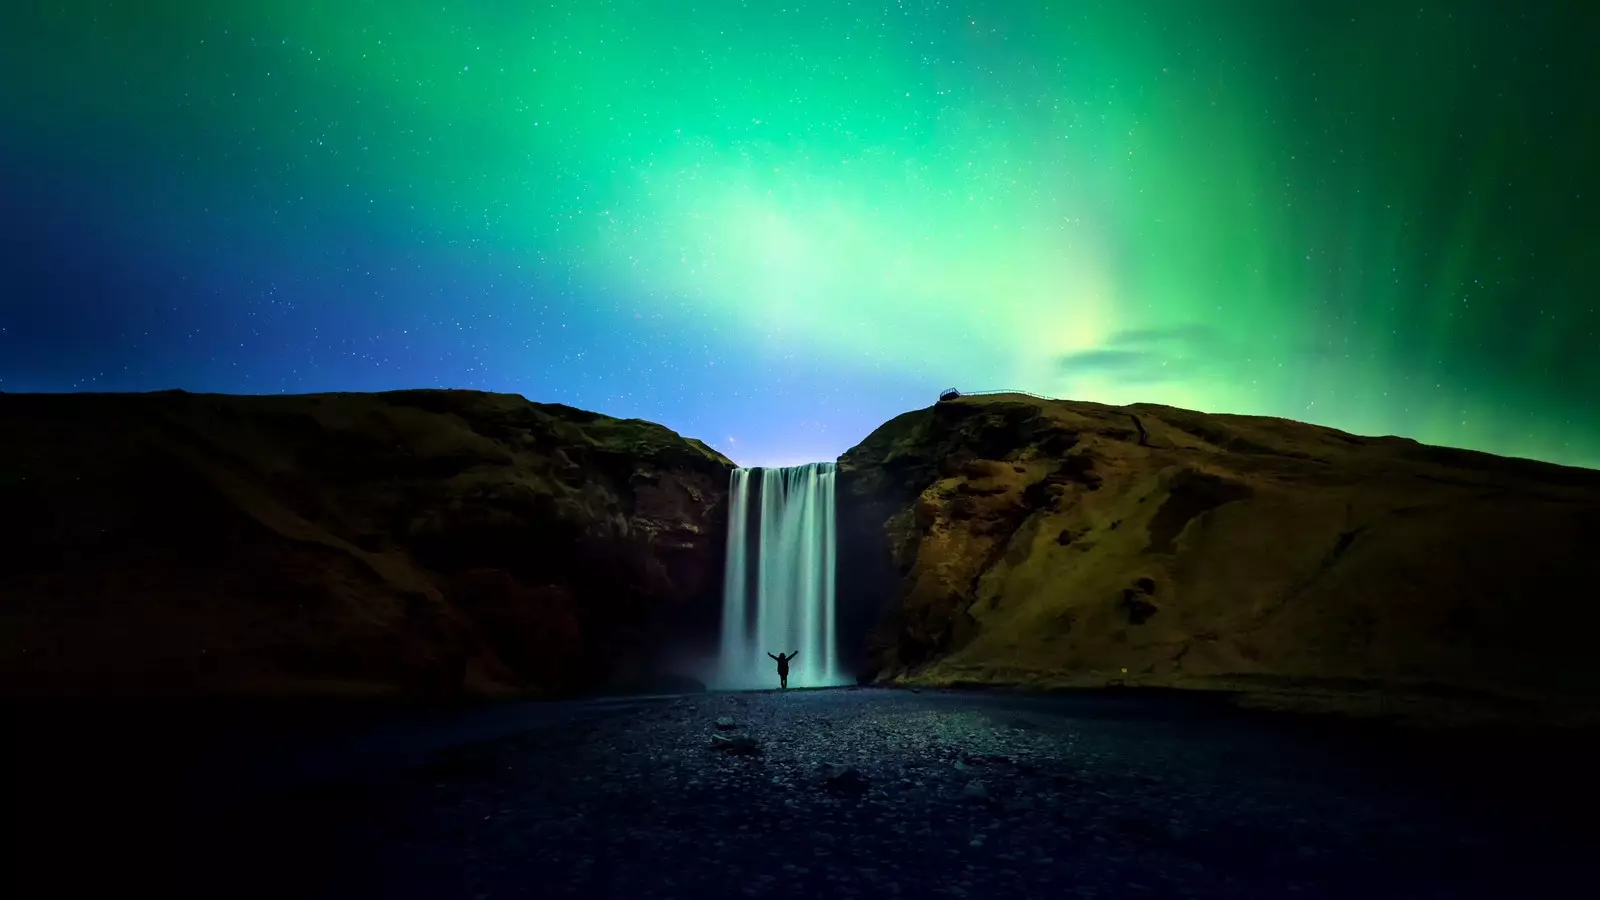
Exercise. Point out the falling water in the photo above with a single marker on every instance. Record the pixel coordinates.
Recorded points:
(793, 579)
(735, 627)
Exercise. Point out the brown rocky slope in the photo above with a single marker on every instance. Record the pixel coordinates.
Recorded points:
(1013, 540)
(407, 543)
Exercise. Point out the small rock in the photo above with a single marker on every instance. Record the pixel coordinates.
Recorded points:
(725, 722)
(736, 744)
(846, 780)
(975, 790)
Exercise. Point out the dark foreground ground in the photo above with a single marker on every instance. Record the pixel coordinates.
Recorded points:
(837, 794)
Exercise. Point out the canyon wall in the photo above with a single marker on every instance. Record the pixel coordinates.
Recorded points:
(409, 543)
(1018, 541)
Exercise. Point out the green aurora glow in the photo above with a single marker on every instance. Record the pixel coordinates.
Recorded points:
(1370, 215)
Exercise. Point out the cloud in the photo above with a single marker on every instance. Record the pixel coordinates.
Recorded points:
(1189, 335)
(1124, 364)
(1147, 355)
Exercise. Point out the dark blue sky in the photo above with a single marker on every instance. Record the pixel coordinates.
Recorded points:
(774, 227)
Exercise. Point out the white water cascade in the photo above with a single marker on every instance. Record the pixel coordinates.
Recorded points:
(793, 561)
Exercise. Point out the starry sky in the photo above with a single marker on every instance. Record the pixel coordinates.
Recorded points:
(774, 224)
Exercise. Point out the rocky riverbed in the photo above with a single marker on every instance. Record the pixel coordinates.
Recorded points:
(876, 793)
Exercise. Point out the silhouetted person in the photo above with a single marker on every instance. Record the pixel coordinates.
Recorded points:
(783, 667)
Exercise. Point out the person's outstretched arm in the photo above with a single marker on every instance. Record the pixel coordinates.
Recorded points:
(794, 654)
(770, 654)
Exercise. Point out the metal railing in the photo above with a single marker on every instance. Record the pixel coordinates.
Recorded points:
(953, 394)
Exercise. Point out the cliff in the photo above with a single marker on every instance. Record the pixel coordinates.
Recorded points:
(408, 543)
(1053, 544)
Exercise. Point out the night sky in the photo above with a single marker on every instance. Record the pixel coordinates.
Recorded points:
(774, 224)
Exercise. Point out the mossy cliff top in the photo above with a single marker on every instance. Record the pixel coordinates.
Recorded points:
(413, 542)
(1013, 540)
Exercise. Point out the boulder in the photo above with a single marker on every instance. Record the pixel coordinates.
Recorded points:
(845, 780)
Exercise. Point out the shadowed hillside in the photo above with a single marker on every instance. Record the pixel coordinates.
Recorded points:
(415, 542)
(1011, 540)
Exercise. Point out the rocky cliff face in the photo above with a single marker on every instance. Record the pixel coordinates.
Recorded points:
(1009, 540)
(417, 542)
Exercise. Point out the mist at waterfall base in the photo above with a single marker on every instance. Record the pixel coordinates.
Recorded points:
(778, 589)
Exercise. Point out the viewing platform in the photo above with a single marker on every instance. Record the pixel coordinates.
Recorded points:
(954, 394)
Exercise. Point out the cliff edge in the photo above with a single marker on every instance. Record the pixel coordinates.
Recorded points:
(1054, 544)
(411, 543)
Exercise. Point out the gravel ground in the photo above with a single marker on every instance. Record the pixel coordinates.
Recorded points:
(875, 793)
(857, 793)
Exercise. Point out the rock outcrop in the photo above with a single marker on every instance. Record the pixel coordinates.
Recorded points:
(1011, 540)
(411, 543)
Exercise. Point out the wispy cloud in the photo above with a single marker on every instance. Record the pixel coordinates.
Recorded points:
(1148, 355)
(1193, 335)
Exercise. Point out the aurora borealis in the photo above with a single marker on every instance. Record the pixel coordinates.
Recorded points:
(775, 224)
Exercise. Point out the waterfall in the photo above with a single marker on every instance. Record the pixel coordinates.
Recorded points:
(793, 579)
(735, 575)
